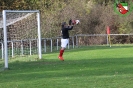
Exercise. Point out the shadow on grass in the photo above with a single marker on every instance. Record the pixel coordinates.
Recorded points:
(84, 48)
(47, 69)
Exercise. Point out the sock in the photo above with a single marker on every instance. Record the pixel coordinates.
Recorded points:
(61, 53)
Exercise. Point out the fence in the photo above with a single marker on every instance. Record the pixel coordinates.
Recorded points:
(29, 46)
(102, 39)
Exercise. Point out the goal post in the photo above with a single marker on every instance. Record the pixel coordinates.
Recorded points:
(6, 23)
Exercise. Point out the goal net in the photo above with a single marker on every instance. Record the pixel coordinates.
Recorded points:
(20, 34)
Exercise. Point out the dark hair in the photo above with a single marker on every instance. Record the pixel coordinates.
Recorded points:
(63, 24)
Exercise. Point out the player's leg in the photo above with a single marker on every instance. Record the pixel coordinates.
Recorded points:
(64, 43)
(61, 51)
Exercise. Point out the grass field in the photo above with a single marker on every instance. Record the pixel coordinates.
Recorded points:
(87, 67)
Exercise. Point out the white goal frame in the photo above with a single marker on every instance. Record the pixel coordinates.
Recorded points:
(5, 32)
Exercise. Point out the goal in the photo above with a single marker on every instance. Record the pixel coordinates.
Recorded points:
(20, 33)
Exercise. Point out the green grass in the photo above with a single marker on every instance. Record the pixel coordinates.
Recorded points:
(87, 67)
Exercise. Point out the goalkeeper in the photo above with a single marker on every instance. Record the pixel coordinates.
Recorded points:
(65, 37)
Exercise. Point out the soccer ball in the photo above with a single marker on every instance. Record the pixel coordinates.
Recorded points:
(75, 22)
